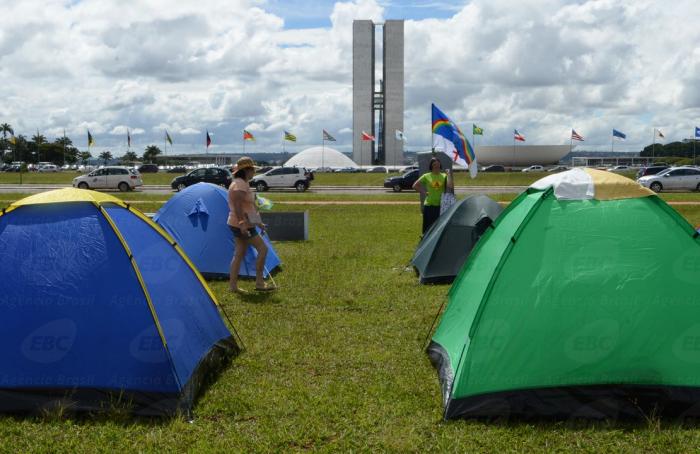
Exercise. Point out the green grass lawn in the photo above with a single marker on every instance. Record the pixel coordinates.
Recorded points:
(335, 362)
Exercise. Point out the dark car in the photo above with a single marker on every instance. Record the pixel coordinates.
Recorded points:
(494, 169)
(651, 170)
(177, 169)
(214, 175)
(402, 182)
(148, 168)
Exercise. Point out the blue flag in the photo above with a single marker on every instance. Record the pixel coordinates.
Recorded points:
(619, 134)
(697, 132)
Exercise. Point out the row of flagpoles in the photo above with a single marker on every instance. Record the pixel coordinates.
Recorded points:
(448, 137)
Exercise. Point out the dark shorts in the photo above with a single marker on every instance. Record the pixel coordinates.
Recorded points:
(430, 215)
(238, 233)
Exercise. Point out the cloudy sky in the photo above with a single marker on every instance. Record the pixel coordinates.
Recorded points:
(541, 66)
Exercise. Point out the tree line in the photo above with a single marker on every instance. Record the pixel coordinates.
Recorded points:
(61, 151)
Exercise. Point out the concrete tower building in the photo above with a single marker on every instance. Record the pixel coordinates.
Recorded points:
(387, 99)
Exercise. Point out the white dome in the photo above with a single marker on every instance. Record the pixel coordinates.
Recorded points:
(320, 157)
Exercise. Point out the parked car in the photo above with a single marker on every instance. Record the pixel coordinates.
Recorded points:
(493, 169)
(48, 168)
(674, 178)
(651, 170)
(348, 170)
(177, 169)
(402, 182)
(111, 177)
(378, 169)
(533, 169)
(619, 169)
(214, 175)
(148, 168)
(558, 169)
(283, 177)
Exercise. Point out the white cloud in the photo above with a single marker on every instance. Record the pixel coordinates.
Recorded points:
(190, 131)
(224, 65)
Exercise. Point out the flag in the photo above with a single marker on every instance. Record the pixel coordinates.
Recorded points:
(128, 138)
(263, 203)
(619, 134)
(366, 136)
(477, 131)
(91, 141)
(658, 133)
(576, 136)
(247, 135)
(289, 136)
(208, 139)
(517, 136)
(400, 136)
(697, 132)
(448, 136)
(328, 137)
(13, 139)
(167, 137)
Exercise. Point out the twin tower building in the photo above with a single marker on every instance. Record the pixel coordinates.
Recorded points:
(377, 109)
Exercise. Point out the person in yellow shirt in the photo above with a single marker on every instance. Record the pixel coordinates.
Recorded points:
(432, 185)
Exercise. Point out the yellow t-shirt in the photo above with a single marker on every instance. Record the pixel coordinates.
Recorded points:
(435, 184)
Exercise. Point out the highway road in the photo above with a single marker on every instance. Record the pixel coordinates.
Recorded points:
(355, 190)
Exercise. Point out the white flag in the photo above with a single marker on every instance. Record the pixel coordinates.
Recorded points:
(400, 136)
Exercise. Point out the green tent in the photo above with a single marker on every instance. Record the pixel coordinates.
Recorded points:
(581, 300)
(445, 247)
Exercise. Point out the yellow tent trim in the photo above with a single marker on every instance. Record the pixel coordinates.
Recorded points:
(611, 186)
(138, 273)
(68, 195)
(179, 250)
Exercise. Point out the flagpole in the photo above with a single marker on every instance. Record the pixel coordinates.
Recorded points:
(165, 148)
(323, 152)
(612, 143)
(653, 143)
(571, 144)
(513, 162)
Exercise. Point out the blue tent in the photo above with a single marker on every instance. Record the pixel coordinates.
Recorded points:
(100, 306)
(196, 218)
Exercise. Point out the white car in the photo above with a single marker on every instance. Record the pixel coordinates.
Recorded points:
(620, 169)
(675, 178)
(533, 169)
(283, 177)
(48, 168)
(111, 177)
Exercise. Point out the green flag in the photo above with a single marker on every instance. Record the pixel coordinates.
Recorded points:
(167, 137)
(477, 131)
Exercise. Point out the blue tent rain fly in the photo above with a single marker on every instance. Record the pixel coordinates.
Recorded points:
(196, 218)
(101, 306)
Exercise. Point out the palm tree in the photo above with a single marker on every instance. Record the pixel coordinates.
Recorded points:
(106, 156)
(151, 152)
(6, 129)
(38, 139)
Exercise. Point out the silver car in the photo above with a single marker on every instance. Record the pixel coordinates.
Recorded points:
(674, 179)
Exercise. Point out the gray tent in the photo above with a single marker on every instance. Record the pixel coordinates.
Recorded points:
(446, 246)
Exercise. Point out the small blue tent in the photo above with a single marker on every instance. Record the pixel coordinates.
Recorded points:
(196, 218)
(100, 306)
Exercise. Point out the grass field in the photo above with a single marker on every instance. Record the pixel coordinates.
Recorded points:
(335, 362)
